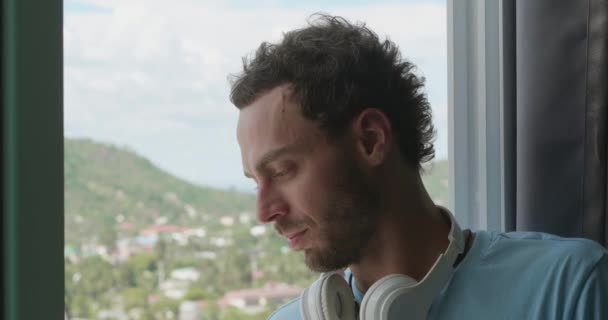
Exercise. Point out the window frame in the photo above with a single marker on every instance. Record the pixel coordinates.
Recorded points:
(481, 60)
(32, 171)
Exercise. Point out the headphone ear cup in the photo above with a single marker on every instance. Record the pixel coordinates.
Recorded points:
(379, 297)
(311, 302)
(328, 298)
(338, 299)
(306, 310)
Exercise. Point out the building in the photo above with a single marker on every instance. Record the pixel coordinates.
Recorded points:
(255, 300)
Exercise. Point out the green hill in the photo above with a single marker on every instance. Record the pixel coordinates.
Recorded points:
(106, 185)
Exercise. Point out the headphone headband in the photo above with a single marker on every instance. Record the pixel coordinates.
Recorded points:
(456, 237)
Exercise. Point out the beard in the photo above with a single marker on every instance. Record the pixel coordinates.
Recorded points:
(348, 221)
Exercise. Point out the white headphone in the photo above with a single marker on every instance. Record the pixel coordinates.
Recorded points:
(395, 296)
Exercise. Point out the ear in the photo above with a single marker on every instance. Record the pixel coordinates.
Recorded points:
(372, 131)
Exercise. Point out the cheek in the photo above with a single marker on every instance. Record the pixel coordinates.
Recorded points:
(310, 196)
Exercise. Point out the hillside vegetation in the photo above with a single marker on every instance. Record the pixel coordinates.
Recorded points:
(106, 186)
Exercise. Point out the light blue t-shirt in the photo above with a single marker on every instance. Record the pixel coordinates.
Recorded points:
(517, 275)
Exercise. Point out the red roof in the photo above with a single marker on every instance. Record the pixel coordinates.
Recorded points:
(125, 226)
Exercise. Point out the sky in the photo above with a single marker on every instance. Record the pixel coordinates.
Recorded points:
(152, 75)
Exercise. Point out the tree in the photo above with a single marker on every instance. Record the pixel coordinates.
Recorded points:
(139, 271)
(210, 312)
(88, 286)
(165, 309)
(232, 313)
(134, 298)
(196, 293)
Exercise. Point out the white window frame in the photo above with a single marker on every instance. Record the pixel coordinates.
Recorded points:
(476, 126)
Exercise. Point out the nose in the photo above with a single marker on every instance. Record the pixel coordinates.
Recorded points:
(270, 205)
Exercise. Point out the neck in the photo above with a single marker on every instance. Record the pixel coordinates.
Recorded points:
(411, 234)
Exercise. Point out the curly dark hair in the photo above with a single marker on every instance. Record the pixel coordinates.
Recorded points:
(336, 70)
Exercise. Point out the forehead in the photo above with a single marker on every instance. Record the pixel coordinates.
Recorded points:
(272, 121)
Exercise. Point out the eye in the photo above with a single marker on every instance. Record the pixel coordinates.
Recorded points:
(279, 174)
(282, 172)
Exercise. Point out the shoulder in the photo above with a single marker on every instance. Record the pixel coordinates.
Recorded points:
(289, 311)
(545, 248)
(593, 295)
(547, 261)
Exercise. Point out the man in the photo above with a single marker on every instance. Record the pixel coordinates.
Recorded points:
(334, 129)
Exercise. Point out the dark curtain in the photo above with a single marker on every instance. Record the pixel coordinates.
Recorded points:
(560, 114)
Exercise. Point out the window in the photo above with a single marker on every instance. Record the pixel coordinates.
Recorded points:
(159, 220)
(480, 130)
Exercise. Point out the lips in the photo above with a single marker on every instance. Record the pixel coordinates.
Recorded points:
(292, 235)
(294, 239)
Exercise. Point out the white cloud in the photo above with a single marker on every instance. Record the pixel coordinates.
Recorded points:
(153, 74)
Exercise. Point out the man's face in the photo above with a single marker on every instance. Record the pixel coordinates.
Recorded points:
(311, 189)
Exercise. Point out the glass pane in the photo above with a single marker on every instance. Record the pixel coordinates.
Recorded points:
(159, 219)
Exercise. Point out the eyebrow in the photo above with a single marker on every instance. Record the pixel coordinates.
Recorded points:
(272, 155)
